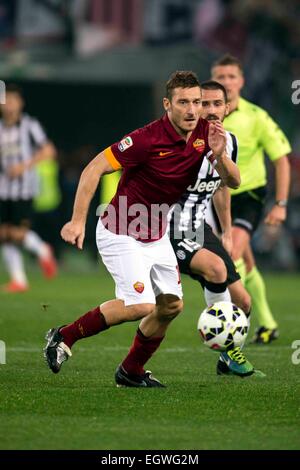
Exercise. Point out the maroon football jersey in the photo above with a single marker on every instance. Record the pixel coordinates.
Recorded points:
(158, 165)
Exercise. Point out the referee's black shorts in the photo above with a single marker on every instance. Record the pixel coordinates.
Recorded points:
(247, 209)
(17, 213)
(184, 255)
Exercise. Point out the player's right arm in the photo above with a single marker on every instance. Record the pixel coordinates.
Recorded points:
(73, 232)
(226, 168)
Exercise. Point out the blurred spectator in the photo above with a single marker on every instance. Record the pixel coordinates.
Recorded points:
(45, 20)
(7, 21)
(208, 16)
(168, 21)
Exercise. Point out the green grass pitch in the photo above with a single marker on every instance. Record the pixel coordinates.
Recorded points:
(81, 408)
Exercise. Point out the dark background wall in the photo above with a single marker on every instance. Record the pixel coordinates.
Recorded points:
(88, 114)
(83, 119)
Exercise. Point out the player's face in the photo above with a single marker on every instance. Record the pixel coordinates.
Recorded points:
(231, 78)
(213, 105)
(13, 105)
(184, 109)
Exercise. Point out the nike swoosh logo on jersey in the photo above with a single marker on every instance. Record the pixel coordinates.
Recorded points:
(162, 154)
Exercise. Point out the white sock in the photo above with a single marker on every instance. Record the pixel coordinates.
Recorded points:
(13, 261)
(213, 297)
(33, 243)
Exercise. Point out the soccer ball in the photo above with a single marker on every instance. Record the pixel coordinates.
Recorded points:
(223, 325)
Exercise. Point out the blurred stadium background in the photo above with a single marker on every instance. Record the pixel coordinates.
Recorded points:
(92, 70)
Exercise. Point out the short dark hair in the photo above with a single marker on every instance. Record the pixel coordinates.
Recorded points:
(181, 79)
(228, 59)
(213, 85)
(14, 88)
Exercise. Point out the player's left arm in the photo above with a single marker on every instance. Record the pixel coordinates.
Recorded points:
(222, 204)
(278, 213)
(226, 168)
(277, 147)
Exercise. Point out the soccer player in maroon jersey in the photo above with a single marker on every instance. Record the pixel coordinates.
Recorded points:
(159, 161)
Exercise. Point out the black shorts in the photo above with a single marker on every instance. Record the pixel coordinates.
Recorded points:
(17, 213)
(247, 208)
(186, 249)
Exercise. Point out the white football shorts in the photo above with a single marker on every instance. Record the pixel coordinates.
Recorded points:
(141, 271)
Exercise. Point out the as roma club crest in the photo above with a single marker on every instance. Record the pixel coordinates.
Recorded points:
(139, 287)
(199, 145)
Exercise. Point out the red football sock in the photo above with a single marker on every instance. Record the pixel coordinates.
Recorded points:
(140, 352)
(88, 325)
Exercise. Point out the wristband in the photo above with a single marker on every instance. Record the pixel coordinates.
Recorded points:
(281, 203)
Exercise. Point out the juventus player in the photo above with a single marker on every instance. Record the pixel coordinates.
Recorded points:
(259, 136)
(209, 262)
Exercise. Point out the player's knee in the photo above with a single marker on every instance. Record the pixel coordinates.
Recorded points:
(171, 309)
(236, 253)
(245, 302)
(242, 299)
(216, 271)
(175, 307)
(136, 312)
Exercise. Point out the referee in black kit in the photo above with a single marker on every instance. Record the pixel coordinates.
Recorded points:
(23, 144)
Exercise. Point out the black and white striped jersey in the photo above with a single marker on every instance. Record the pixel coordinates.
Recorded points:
(18, 143)
(189, 213)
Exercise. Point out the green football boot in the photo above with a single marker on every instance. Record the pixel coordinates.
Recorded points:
(233, 362)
